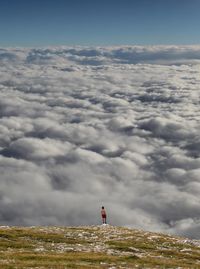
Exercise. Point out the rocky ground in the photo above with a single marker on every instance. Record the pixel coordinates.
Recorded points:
(102, 246)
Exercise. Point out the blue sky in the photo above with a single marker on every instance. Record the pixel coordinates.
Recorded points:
(92, 22)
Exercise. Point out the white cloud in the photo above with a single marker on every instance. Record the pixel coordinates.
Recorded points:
(118, 126)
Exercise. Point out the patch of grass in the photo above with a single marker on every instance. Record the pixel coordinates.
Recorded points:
(60, 248)
(128, 245)
(153, 255)
(69, 260)
(15, 245)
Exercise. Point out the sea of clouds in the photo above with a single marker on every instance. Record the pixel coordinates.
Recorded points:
(83, 127)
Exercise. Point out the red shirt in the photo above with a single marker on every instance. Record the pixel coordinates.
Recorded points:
(103, 213)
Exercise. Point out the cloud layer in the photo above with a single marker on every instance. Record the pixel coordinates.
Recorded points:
(83, 127)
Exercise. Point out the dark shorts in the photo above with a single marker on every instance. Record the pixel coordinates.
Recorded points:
(103, 216)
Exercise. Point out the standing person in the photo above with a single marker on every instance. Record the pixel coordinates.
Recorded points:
(103, 215)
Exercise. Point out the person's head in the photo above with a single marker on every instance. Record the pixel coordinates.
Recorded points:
(102, 207)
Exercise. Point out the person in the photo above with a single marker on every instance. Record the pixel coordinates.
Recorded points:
(103, 214)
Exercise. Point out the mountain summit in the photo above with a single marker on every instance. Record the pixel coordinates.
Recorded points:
(101, 246)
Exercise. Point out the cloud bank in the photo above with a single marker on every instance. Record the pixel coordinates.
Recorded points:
(82, 127)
